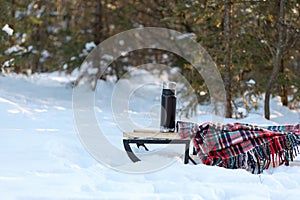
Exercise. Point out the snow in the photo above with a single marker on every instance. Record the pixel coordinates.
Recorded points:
(8, 29)
(90, 45)
(107, 57)
(16, 49)
(186, 35)
(251, 82)
(42, 157)
(45, 54)
(92, 71)
(9, 62)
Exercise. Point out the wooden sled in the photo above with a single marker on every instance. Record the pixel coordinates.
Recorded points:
(142, 137)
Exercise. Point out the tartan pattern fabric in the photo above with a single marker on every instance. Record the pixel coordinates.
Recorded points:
(186, 129)
(238, 145)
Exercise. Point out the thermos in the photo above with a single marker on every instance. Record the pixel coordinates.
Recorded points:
(168, 107)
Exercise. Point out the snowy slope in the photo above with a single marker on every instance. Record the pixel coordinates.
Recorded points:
(42, 157)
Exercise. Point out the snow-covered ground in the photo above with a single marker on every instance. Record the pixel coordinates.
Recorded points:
(42, 157)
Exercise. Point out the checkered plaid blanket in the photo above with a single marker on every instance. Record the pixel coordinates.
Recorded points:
(246, 146)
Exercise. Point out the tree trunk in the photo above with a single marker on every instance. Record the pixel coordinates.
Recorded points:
(13, 11)
(283, 88)
(277, 59)
(228, 57)
(98, 23)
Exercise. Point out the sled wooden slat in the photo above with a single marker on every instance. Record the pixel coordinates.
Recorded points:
(153, 135)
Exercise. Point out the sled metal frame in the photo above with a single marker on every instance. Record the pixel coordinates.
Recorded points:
(140, 138)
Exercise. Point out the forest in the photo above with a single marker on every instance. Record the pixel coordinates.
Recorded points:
(254, 43)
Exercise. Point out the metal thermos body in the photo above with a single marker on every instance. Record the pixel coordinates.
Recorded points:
(168, 107)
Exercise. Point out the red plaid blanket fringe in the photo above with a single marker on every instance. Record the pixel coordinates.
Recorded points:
(245, 146)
